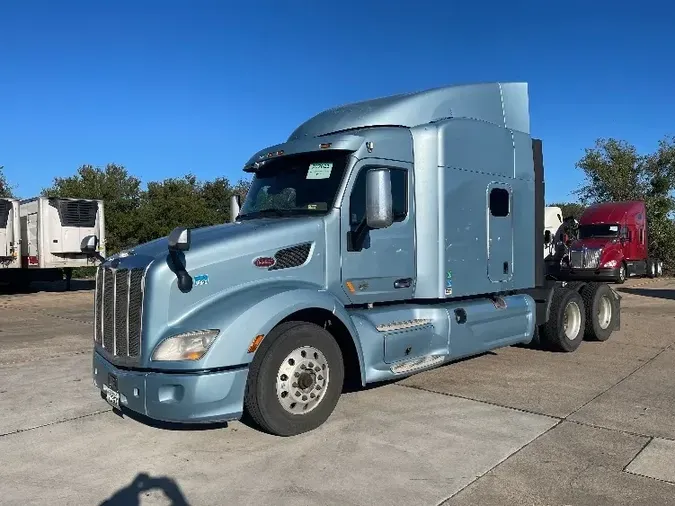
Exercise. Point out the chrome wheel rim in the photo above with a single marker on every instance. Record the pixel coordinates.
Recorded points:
(604, 312)
(622, 273)
(659, 269)
(572, 321)
(302, 380)
(652, 270)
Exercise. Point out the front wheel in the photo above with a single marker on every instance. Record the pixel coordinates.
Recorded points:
(621, 277)
(295, 379)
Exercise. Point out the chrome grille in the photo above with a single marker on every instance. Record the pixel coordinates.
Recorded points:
(585, 258)
(118, 310)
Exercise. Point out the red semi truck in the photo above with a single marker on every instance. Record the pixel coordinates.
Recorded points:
(611, 245)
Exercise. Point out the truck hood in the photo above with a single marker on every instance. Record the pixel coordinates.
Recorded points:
(220, 236)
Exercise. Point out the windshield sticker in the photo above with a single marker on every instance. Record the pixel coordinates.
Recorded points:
(613, 228)
(319, 170)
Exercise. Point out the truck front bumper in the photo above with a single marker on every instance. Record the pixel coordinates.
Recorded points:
(603, 274)
(180, 397)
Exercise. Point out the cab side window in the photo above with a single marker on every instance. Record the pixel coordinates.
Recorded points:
(399, 194)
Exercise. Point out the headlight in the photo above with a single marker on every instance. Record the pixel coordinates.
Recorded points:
(611, 264)
(186, 346)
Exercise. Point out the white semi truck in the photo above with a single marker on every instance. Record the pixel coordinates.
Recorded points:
(10, 234)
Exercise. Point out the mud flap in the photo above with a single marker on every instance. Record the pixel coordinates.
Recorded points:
(617, 320)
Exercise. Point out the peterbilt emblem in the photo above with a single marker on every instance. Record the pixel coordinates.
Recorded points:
(264, 262)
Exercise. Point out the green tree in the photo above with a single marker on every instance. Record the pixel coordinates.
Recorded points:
(570, 209)
(5, 188)
(218, 194)
(615, 171)
(176, 202)
(120, 192)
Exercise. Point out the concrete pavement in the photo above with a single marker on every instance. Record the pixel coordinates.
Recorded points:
(515, 426)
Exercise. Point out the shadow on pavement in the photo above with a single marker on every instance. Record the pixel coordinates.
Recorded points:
(76, 285)
(668, 294)
(130, 495)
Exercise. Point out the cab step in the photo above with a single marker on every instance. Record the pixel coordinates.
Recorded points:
(417, 364)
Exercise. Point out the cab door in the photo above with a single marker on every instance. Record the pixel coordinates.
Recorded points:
(384, 268)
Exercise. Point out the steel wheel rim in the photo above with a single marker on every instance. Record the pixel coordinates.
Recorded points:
(622, 273)
(572, 321)
(604, 312)
(302, 380)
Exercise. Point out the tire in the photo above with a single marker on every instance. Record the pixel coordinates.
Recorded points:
(651, 268)
(554, 333)
(279, 355)
(601, 311)
(621, 277)
(659, 268)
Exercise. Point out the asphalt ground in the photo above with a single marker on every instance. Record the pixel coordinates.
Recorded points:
(514, 426)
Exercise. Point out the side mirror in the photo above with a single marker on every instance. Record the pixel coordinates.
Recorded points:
(547, 237)
(88, 244)
(88, 247)
(234, 208)
(379, 202)
(179, 239)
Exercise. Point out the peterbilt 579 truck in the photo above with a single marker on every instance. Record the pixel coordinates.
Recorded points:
(383, 238)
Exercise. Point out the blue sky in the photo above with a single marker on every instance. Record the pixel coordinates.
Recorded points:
(170, 87)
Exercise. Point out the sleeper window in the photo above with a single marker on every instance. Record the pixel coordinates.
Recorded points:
(499, 202)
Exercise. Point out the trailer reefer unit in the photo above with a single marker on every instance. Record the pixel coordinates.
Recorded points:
(10, 234)
(381, 239)
(52, 231)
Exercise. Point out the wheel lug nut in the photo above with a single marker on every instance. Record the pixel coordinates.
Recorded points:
(312, 395)
(295, 385)
(303, 366)
(311, 365)
(317, 368)
(297, 375)
(318, 387)
(284, 377)
(304, 397)
(320, 378)
(297, 394)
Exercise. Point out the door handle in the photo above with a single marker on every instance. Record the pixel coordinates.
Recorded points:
(403, 283)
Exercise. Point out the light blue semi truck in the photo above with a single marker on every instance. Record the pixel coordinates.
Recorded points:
(383, 238)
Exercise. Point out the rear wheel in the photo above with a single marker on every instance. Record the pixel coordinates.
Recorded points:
(659, 268)
(601, 311)
(651, 268)
(565, 327)
(295, 379)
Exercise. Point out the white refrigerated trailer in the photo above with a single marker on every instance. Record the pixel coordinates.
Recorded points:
(10, 234)
(51, 232)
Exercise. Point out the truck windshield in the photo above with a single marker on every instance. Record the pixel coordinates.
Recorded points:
(588, 231)
(304, 184)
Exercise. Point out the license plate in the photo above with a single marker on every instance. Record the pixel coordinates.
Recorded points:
(112, 396)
